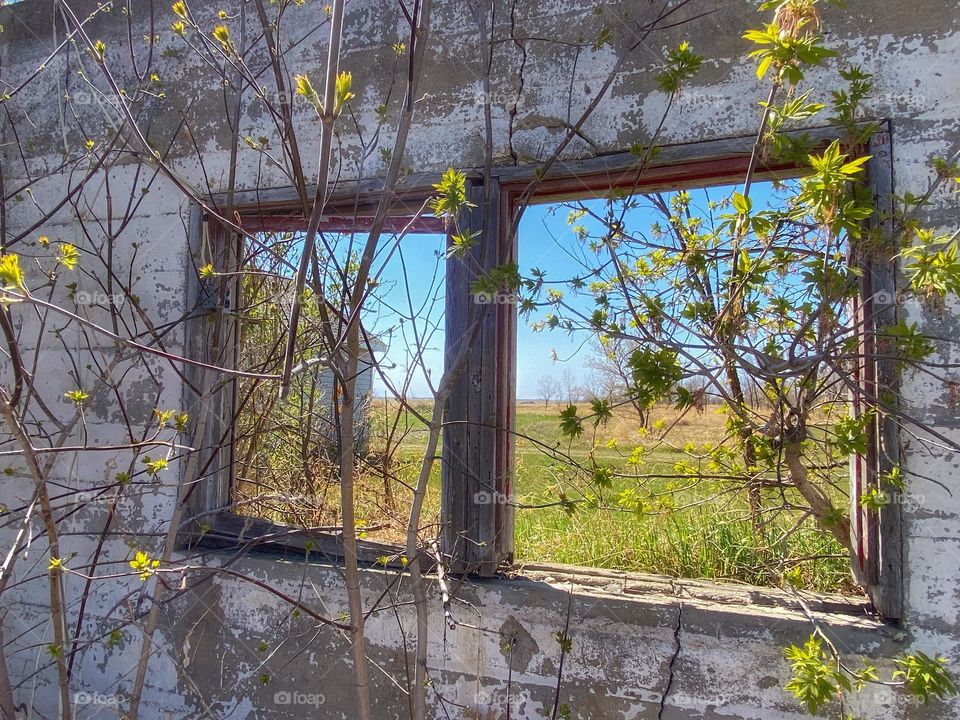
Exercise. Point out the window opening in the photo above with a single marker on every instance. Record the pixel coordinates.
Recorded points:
(284, 452)
(623, 327)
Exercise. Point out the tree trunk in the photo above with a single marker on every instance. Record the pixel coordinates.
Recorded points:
(820, 504)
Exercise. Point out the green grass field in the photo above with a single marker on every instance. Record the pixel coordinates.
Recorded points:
(681, 528)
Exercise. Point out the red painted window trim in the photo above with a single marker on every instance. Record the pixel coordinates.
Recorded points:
(675, 176)
(343, 223)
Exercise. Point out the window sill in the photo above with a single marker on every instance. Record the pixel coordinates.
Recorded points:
(227, 530)
(643, 585)
(542, 593)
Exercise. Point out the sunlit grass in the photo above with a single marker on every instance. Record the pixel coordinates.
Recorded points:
(702, 530)
(684, 527)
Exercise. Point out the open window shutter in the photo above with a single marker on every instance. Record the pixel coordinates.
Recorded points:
(876, 535)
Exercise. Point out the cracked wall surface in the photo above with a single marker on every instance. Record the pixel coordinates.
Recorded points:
(228, 649)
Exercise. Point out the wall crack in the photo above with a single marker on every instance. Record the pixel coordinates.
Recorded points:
(520, 81)
(673, 659)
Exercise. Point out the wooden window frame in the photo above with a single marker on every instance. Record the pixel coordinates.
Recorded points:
(211, 522)
(876, 538)
(477, 453)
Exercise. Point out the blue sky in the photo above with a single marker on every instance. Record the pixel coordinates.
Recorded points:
(411, 284)
(547, 242)
(413, 278)
(542, 236)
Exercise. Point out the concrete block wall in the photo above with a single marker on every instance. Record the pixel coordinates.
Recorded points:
(228, 649)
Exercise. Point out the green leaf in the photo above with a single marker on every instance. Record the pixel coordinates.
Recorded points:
(221, 33)
(874, 499)
(813, 682)
(462, 242)
(654, 373)
(68, 256)
(741, 203)
(305, 89)
(681, 65)
(77, 396)
(570, 425)
(933, 264)
(180, 421)
(850, 435)
(925, 677)
(144, 564)
(343, 93)
(451, 195)
(855, 167)
(764, 66)
(603, 477)
(602, 411)
(10, 273)
(155, 466)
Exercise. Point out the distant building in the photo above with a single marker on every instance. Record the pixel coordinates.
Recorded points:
(325, 402)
